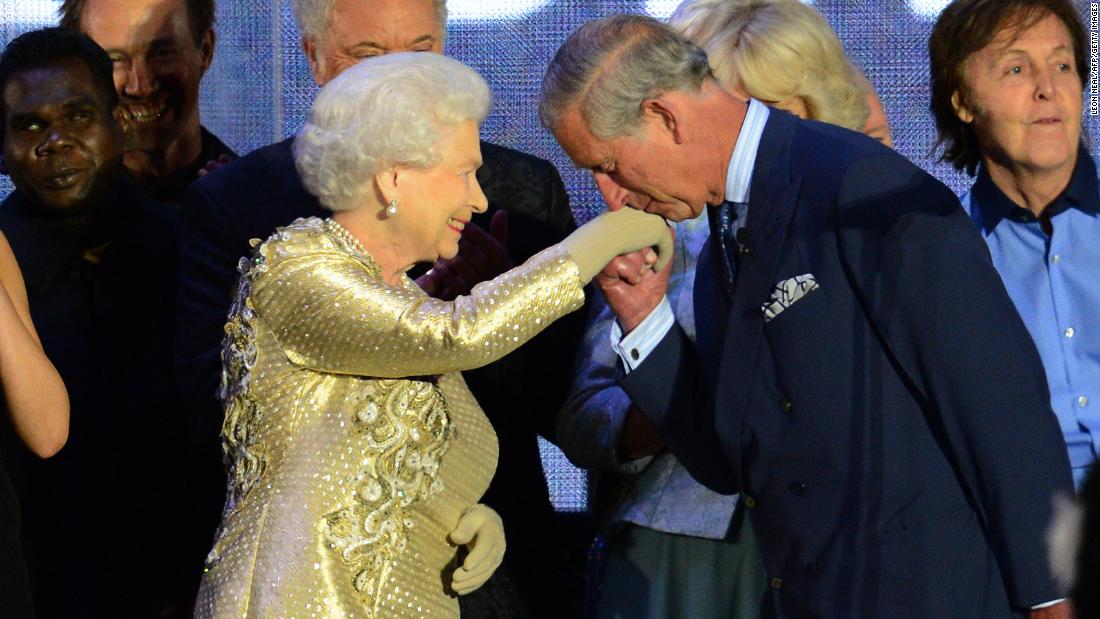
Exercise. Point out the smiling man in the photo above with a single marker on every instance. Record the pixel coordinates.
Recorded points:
(98, 258)
(1007, 90)
(160, 50)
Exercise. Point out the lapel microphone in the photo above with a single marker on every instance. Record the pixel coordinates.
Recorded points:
(742, 238)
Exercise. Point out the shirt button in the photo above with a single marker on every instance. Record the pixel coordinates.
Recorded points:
(797, 488)
(785, 406)
(776, 583)
(634, 354)
(1083, 401)
(1070, 332)
(1055, 258)
(750, 502)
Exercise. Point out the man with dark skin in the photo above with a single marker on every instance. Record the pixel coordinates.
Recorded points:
(160, 50)
(99, 263)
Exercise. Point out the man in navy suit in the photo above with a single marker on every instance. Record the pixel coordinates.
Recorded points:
(861, 376)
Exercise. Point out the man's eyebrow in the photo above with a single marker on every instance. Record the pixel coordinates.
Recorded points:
(362, 44)
(1009, 50)
(76, 101)
(424, 38)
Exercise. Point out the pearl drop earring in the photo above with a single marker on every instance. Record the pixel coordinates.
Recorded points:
(391, 210)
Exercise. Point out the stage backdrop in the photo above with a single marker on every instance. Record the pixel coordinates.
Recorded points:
(259, 89)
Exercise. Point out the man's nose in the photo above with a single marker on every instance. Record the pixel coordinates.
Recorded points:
(1044, 83)
(140, 81)
(57, 140)
(614, 194)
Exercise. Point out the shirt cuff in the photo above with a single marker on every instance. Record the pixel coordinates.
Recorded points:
(636, 346)
(632, 467)
(1048, 604)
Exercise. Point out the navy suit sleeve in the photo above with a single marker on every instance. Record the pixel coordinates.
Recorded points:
(669, 388)
(591, 420)
(208, 257)
(948, 318)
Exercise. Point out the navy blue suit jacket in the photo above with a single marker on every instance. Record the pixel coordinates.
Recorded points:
(890, 431)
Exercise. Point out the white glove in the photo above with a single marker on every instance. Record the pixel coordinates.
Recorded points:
(614, 233)
(482, 532)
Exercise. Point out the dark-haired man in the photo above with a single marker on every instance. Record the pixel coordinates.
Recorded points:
(1007, 89)
(160, 50)
(99, 262)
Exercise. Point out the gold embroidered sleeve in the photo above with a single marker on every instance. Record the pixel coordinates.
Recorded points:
(331, 314)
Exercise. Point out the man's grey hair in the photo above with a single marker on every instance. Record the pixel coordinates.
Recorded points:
(379, 113)
(610, 66)
(314, 17)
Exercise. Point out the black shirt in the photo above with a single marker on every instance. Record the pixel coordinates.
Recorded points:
(98, 518)
(170, 187)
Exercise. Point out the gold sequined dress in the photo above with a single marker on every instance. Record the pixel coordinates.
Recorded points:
(353, 443)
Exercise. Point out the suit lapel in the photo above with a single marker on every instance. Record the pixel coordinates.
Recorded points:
(773, 198)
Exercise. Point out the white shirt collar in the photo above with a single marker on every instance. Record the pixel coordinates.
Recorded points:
(743, 161)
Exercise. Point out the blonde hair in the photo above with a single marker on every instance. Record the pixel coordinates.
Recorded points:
(775, 50)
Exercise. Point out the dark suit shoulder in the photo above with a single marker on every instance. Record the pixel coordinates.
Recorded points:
(874, 186)
(253, 194)
(527, 186)
(213, 147)
(274, 162)
(149, 212)
(502, 155)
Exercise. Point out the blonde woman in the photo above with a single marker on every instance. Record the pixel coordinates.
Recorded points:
(780, 52)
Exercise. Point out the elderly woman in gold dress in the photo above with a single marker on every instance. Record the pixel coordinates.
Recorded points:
(357, 455)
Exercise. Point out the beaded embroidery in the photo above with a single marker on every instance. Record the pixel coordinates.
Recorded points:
(244, 457)
(407, 427)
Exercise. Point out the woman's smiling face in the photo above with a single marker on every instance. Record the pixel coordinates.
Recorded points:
(436, 203)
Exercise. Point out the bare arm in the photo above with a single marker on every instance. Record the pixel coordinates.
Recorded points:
(35, 395)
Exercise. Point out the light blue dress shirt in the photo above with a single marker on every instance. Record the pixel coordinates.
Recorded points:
(1054, 281)
(639, 343)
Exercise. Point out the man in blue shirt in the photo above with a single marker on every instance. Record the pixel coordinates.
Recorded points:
(1007, 94)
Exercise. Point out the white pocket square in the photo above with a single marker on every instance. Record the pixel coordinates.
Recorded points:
(786, 293)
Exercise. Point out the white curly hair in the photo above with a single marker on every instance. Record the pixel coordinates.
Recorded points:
(382, 112)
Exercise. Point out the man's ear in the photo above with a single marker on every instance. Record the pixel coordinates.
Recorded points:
(961, 110)
(206, 48)
(666, 114)
(316, 60)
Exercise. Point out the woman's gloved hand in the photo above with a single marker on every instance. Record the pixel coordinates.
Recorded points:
(482, 532)
(612, 234)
